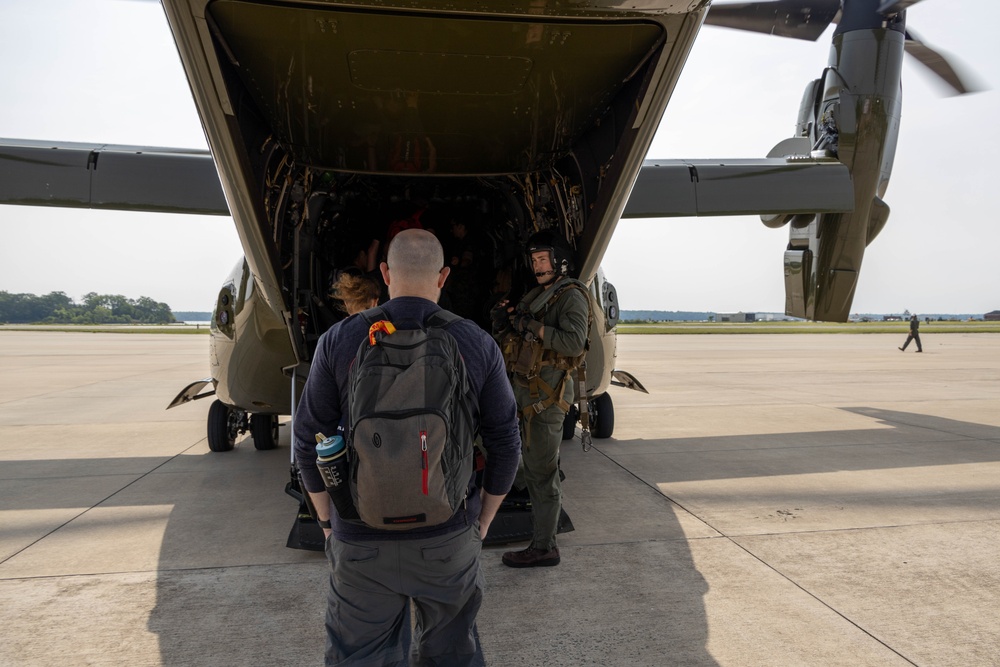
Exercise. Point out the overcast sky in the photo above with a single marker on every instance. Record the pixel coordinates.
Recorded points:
(107, 71)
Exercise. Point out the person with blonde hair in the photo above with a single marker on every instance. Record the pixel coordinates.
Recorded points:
(355, 291)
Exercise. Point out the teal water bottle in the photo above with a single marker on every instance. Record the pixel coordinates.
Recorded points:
(331, 460)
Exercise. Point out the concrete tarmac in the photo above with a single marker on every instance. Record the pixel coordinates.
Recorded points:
(775, 500)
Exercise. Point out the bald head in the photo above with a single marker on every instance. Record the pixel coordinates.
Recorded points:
(415, 265)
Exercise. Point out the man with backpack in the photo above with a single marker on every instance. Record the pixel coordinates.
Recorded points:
(544, 341)
(369, 375)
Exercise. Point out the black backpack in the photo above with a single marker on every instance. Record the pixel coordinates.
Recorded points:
(411, 435)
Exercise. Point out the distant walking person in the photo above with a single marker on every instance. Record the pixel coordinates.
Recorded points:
(914, 334)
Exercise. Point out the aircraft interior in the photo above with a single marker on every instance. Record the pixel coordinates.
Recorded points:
(340, 221)
(484, 162)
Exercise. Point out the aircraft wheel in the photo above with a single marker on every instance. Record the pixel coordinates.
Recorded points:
(264, 429)
(602, 418)
(569, 422)
(222, 427)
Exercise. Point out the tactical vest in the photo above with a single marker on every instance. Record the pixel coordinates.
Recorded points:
(525, 356)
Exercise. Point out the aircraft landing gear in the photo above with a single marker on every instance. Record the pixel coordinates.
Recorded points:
(264, 429)
(602, 416)
(569, 422)
(224, 424)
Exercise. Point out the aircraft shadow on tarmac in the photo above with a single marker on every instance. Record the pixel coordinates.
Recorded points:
(628, 572)
(910, 440)
(228, 591)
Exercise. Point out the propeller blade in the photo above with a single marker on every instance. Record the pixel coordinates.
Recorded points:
(785, 18)
(895, 6)
(937, 64)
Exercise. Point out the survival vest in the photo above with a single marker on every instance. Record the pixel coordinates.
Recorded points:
(525, 357)
(411, 435)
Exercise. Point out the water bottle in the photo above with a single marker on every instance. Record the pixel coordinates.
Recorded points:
(331, 460)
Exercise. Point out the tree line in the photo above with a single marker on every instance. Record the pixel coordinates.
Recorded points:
(57, 308)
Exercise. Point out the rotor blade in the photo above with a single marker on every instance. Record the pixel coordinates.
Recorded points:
(937, 64)
(895, 6)
(784, 18)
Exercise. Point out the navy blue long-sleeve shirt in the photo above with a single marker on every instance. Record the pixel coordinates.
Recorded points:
(324, 404)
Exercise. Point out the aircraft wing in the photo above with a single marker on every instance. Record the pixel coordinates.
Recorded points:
(776, 185)
(171, 180)
(129, 178)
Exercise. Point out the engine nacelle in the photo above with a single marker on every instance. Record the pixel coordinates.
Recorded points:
(850, 114)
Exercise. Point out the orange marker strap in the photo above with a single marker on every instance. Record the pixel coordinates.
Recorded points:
(381, 325)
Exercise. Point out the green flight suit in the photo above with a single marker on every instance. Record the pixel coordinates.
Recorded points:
(566, 322)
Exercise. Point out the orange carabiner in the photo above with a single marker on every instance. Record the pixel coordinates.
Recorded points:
(381, 325)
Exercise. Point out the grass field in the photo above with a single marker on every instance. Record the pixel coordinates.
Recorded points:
(806, 327)
(111, 328)
(657, 328)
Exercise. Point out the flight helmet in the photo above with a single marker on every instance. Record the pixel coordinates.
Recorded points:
(560, 253)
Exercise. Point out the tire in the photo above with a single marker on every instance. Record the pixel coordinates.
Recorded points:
(569, 422)
(602, 418)
(264, 429)
(221, 434)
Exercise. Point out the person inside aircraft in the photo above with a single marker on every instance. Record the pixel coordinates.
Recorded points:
(543, 341)
(460, 248)
(364, 260)
(408, 216)
(366, 257)
(410, 150)
(403, 215)
(355, 290)
(463, 282)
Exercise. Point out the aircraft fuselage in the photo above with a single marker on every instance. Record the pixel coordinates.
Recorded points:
(330, 123)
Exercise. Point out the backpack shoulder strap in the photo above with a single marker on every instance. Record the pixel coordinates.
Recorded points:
(441, 319)
(373, 315)
(377, 323)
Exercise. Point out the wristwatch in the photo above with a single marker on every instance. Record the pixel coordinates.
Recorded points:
(323, 523)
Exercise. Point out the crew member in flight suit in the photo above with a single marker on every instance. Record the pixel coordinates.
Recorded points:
(914, 334)
(544, 340)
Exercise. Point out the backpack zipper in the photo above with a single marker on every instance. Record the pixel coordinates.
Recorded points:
(423, 459)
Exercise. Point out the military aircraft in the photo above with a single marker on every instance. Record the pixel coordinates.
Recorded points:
(329, 122)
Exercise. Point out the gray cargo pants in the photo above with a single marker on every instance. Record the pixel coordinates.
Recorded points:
(371, 585)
